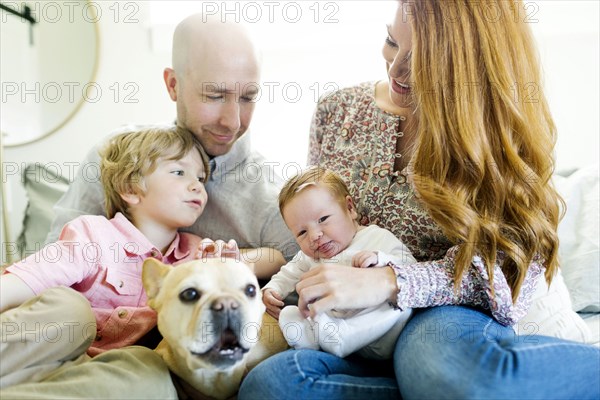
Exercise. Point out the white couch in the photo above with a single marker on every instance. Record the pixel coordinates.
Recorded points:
(569, 309)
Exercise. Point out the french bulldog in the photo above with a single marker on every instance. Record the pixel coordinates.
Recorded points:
(210, 314)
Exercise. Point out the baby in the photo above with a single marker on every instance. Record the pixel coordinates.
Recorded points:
(317, 207)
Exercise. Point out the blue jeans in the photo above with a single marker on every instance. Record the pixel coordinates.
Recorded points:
(446, 352)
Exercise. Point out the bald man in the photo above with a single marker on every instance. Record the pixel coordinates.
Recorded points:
(213, 80)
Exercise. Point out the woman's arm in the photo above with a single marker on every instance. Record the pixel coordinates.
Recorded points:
(431, 283)
(418, 285)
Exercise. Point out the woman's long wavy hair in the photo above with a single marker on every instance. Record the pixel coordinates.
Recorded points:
(483, 159)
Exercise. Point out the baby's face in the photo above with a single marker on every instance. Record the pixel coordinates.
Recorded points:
(321, 225)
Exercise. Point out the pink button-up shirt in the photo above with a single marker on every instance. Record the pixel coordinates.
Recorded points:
(102, 259)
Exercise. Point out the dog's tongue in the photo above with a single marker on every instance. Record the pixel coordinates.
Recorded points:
(228, 339)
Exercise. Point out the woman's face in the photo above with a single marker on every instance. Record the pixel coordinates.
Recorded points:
(397, 52)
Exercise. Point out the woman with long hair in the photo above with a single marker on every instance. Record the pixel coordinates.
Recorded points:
(453, 154)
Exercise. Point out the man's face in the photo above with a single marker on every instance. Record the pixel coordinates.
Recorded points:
(216, 98)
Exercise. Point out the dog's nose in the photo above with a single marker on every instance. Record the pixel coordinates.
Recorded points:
(224, 304)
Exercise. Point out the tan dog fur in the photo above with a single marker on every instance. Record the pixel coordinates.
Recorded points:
(228, 297)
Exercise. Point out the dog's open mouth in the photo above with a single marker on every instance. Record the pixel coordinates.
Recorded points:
(226, 351)
(228, 346)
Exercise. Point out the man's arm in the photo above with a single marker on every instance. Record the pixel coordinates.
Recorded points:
(267, 261)
(85, 195)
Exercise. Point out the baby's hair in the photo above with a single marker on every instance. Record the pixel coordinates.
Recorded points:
(314, 176)
(130, 156)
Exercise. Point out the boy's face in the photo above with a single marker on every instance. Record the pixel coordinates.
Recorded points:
(322, 226)
(174, 195)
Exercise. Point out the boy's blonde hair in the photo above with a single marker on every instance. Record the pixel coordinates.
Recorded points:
(131, 156)
(311, 177)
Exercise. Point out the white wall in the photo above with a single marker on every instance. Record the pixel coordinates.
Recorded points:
(133, 55)
(126, 63)
(567, 34)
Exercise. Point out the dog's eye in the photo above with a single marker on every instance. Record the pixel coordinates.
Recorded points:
(189, 295)
(250, 290)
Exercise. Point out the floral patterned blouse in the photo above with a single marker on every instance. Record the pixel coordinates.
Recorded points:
(353, 137)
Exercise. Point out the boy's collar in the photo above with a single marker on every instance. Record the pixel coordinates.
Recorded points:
(141, 246)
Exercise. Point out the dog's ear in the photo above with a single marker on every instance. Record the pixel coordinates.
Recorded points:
(153, 273)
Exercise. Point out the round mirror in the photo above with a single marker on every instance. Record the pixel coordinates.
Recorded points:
(49, 56)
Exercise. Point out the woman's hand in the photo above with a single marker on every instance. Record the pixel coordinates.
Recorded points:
(273, 302)
(212, 249)
(334, 286)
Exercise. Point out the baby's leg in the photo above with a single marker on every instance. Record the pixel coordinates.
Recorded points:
(343, 337)
(297, 330)
(383, 348)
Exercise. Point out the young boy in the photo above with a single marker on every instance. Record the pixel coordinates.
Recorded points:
(153, 182)
(317, 207)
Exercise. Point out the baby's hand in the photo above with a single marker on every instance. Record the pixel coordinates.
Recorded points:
(211, 249)
(365, 259)
(273, 302)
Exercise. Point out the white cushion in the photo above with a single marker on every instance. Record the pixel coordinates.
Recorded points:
(579, 248)
(551, 313)
(43, 187)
